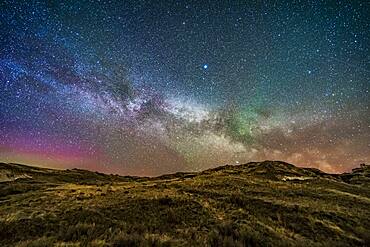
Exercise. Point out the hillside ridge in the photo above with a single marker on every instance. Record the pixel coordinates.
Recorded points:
(278, 170)
(269, 203)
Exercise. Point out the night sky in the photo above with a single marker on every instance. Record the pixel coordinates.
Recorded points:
(153, 87)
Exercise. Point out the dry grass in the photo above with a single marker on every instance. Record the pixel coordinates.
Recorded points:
(227, 207)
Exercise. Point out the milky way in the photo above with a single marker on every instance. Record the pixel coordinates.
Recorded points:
(146, 88)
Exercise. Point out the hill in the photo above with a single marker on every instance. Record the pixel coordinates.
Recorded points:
(268, 203)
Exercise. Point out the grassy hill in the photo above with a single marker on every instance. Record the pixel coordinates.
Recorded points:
(267, 203)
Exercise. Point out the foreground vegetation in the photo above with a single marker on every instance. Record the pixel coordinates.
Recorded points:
(256, 204)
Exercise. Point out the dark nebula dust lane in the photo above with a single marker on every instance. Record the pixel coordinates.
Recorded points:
(146, 88)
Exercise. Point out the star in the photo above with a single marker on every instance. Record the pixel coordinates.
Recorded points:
(150, 90)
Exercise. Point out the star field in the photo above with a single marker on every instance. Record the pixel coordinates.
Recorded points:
(146, 88)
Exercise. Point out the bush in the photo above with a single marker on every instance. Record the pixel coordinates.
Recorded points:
(136, 240)
(81, 232)
(227, 234)
(41, 242)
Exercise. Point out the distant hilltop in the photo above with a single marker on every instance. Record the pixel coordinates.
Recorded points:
(275, 170)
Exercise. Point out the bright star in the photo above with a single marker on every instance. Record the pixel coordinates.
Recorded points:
(205, 66)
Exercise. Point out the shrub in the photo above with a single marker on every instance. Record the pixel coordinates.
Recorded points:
(136, 240)
(41, 242)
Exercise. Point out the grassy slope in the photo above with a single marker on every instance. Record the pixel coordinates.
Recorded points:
(228, 206)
